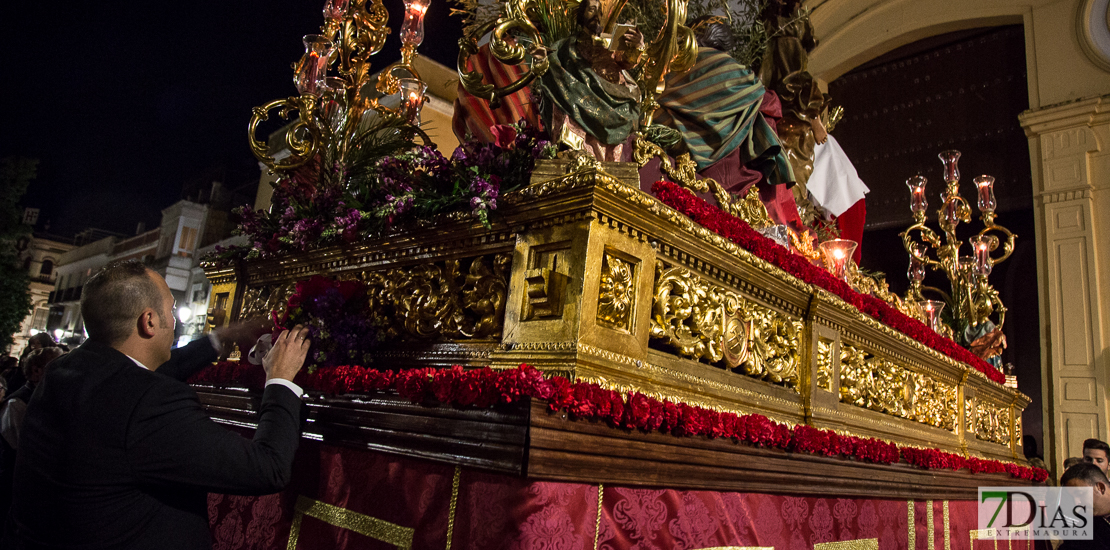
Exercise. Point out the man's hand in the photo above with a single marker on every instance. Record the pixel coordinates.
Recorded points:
(287, 356)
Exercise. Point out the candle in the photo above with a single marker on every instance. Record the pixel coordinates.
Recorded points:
(309, 75)
(412, 98)
(931, 310)
(334, 10)
(916, 271)
(951, 172)
(918, 202)
(981, 246)
(985, 185)
(837, 254)
(951, 212)
(412, 30)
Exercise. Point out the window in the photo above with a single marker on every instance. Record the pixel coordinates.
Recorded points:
(187, 242)
(39, 321)
(47, 268)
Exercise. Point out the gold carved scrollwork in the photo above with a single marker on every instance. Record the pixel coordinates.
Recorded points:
(260, 301)
(880, 385)
(969, 415)
(687, 313)
(434, 301)
(703, 321)
(992, 423)
(513, 19)
(616, 293)
(824, 364)
(683, 171)
(775, 340)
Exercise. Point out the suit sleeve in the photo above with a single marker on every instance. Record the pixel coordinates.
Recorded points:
(186, 361)
(171, 442)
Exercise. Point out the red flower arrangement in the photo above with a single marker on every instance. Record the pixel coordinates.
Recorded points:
(485, 388)
(739, 232)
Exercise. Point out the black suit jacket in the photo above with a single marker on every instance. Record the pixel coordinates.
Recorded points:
(115, 456)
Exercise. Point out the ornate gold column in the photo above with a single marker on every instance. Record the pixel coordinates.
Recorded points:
(1071, 182)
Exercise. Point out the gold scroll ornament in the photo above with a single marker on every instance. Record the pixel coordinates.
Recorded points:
(877, 384)
(703, 321)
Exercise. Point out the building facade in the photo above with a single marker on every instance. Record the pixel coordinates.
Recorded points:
(188, 231)
(40, 255)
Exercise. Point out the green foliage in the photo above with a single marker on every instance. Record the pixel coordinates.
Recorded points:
(15, 293)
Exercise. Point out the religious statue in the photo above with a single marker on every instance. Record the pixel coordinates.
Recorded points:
(587, 91)
(785, 71)
(726, 122)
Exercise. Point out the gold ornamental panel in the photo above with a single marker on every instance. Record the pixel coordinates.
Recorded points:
(616, 293)
(824, 364)
(992, 423)
(702, 321)
(441, 300)
(260, 301)
(880, 385)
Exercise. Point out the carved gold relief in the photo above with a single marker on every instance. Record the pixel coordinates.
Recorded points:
(824, 364)
(260, 301)
(683, 171)
(441, 301)
(703, 321)
(969, 415)
(992, 423)
(616, 293)
(880, 385)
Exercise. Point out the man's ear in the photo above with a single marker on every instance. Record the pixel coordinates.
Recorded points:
(146, 323)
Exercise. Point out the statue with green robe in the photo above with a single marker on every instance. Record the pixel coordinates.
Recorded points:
(588, 96)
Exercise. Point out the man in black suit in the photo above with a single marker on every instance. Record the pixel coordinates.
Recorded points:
(116, 455)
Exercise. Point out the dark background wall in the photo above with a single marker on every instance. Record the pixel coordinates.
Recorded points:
(962, 91)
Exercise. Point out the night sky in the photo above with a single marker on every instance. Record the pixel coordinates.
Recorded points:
(126, 103)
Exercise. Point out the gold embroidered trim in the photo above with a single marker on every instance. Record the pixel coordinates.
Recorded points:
(947, 532)
(597, 525)
(374, 528)
(454, 502)
(929, 524)
(858, 544)
(911, 537)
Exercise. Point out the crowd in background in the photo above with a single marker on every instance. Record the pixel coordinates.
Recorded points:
(18, 377)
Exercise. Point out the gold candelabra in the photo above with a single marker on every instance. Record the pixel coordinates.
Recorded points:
(333, 80)
(972, 297)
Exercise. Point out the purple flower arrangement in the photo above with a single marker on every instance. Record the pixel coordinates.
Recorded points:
(309, 210)
(338, 320)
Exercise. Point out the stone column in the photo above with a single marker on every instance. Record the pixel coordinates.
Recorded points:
(1071, 181)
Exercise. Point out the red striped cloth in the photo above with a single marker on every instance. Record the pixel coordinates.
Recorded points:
(473, 114)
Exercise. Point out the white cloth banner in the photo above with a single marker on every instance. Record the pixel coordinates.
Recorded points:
(834, 184)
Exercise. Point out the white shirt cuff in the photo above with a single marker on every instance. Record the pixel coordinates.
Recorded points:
(214, 340)
(289, 384)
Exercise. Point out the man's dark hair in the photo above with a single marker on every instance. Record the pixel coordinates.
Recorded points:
(1098, 445)
(1086, 472)
(113, 299)
(711, 33)
(43, 339)
(41, 358)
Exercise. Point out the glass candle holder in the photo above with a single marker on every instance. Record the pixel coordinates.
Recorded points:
(412, 98)
(837, 253)
(335, 10)
(918, 202)
(931, 309)
(916, 272)
(985, 186)
(950, 213)
(310, 71)
(412, 29)
(950, 159)
(981, 247)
